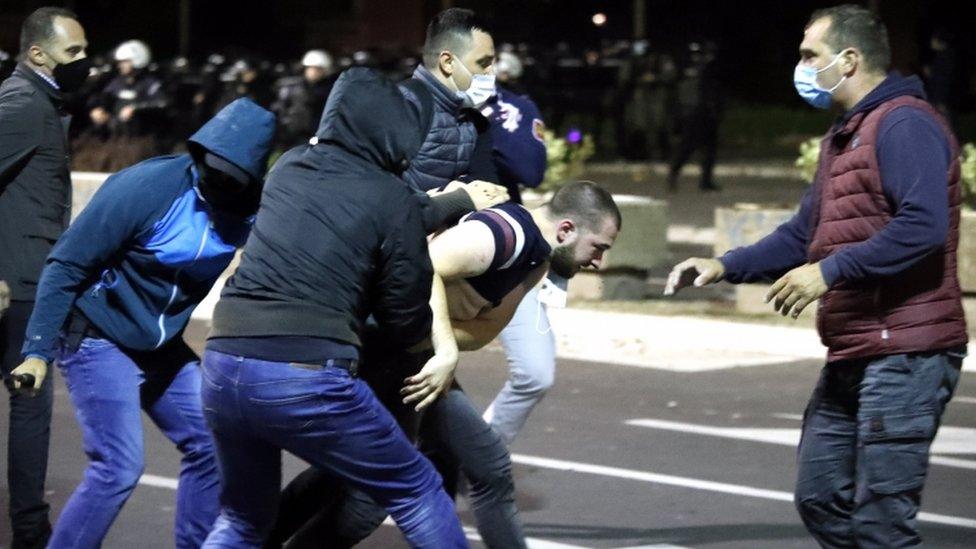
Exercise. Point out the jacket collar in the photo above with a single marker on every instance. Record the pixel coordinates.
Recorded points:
(892, 87)
(53, 93)
(443, 97)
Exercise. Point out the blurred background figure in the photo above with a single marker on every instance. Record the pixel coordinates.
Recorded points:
(508, 71)
(7, 64)
(942, 73)
(209, 89)
(246, 78)
(181, 83)
(647, 82)
(699, 108)
(300, 99)
(519, 151)
(126, 114)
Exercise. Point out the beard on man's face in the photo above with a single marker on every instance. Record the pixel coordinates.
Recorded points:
(562, 262)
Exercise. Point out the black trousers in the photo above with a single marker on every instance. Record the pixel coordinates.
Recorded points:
(699, 131)
(28, 437)
(316, 511)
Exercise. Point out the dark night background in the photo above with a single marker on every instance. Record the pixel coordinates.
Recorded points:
(756, 44)
(758, 38)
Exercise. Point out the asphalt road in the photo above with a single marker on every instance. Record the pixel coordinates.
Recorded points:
(706, 460)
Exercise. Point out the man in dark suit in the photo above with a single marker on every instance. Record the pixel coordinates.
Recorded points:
(35, 206)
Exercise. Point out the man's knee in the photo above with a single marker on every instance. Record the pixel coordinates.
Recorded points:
(198, 448)
(535, 381)
(117, 474)
(492, 481)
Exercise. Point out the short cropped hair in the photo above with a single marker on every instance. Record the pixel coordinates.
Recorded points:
(858, 27)
(587, 204)
(451, 30)
(38, 28)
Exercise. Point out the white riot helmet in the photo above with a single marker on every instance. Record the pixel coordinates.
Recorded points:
(508, 64)
(135, 51)
(318, 58)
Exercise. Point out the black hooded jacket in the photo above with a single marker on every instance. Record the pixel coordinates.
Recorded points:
(338, 236)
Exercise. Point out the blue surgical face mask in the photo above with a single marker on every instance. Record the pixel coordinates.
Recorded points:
(805, 81)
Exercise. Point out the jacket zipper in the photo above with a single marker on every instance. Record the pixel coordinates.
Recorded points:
(176, 280)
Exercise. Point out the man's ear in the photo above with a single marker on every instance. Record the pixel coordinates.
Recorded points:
(565, 231)
(850, 61)
(36, 55)
(445, 62)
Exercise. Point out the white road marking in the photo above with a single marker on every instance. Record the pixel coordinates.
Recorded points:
(795, 417)
(950, 440)
(653, 478)
(158, 482)
(964, 399)
(631, 474)
(655, 546)
(471, 533)
(698, 484)
(533, 543)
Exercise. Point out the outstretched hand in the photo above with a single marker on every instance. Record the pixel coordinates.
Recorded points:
(696, 271)
(797, 289)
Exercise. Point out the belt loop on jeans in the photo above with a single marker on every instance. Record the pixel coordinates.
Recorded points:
(347, 364)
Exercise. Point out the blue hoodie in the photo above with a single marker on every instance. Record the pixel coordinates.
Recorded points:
(147, 248)
(913, 158)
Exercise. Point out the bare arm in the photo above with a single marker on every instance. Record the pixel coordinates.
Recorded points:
(461, 251)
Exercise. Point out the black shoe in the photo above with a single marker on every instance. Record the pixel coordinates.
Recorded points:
(709, 188)
(34, 540)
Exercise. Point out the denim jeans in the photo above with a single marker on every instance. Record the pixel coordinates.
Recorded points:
(256, 408)
(109, 387)
(456, 439)
(318, 510)
(864, 452)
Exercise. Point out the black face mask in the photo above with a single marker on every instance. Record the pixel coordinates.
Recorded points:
(228, 195)
(71, 76)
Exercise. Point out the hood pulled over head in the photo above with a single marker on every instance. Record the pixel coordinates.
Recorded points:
(369, 117)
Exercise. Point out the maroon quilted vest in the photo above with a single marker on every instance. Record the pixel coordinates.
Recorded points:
(919, 309)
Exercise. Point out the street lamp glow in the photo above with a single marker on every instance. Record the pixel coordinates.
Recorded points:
(599, 19)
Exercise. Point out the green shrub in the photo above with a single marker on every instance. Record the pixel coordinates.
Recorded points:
(809, 156)
(810, 152)
(968, 179)
(565, 158)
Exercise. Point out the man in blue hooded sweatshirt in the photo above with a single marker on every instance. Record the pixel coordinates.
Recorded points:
(112, 304)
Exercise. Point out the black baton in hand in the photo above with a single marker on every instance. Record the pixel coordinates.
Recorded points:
(26, 381)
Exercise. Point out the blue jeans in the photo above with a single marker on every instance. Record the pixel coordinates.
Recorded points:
(455, 439)
(256, 408)
(109, 388)
(864, 451)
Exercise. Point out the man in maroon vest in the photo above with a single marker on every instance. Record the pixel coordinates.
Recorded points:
(875, 241)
